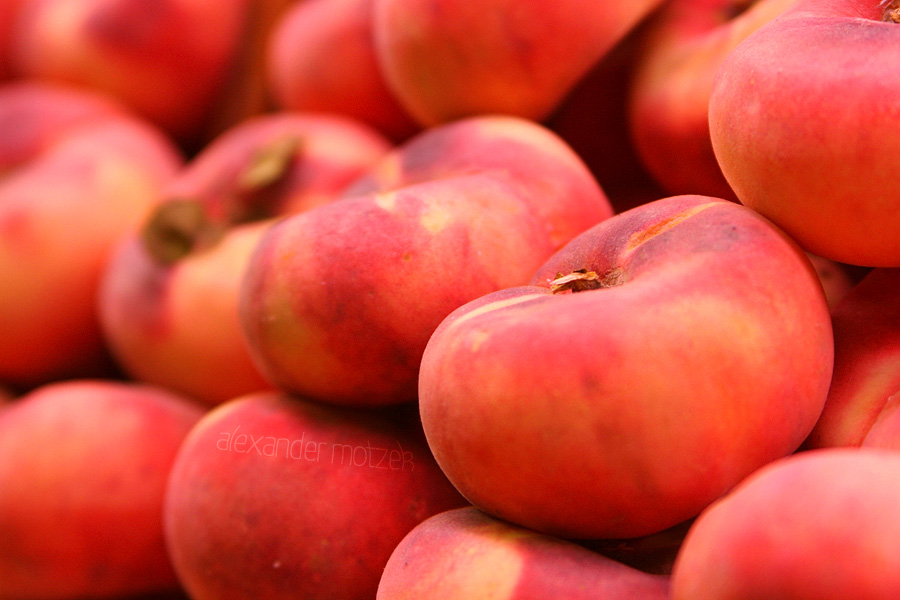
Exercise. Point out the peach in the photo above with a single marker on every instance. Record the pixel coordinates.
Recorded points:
(464, 554)
(83, 467)
(169, 296)
(273, 496)
(449, 59)
(338, 302)
(811, 149)
(633, 382)
(820, 525)
(79, 176)
(167, 59)
(866, 360)
(321, 57)
(672, 81)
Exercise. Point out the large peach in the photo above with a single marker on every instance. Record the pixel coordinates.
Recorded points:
(812, 149)
(79, 175)
(866, 360)
(165, 58)
(448, 59)
(673, 79)
(169, 296)
(338, 302)
(275, 497)
(820, 525)
(321, 57)
(83, 468)
(633, 382)
(464, 554)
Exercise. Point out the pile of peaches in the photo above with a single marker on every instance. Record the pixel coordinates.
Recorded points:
(449, 300)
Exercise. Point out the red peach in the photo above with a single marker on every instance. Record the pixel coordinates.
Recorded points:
(812, 149)
(819, 525)
(80, 177)
(166, 59)
(633, 382)
(83, 467)
(448, 59)
(682, 50)
(322, 58)
(276, 497)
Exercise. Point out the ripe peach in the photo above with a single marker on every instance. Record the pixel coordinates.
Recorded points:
(464, 554)
(338, 302)
(633, 382)
(321, 57)
(681, 52)
(167, 59)
(812, 149)
(448, 59)
(277, 497)
(169, 296)
(80, 175)
(819, 525)
(83, 467)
